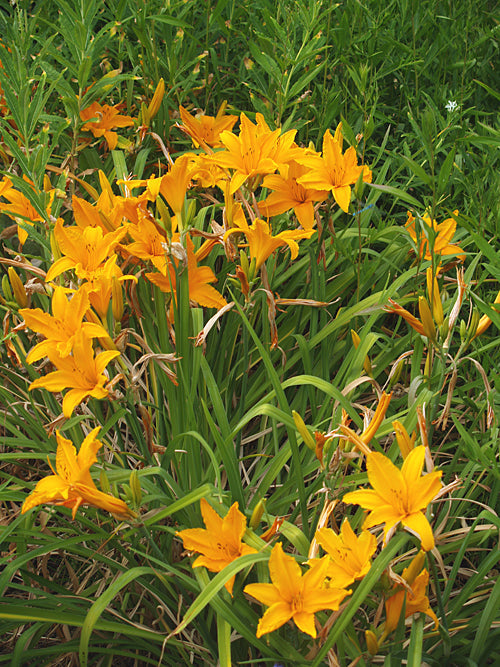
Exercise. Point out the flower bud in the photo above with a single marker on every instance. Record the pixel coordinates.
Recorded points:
(155, 103)
(303, 430)
(257, 513)
(7, 292)
(104, 482)
(371, 642)
(135, 488)
(414, 568)
(116, 300)
(17, 288)
(434, 297)
(426, 319)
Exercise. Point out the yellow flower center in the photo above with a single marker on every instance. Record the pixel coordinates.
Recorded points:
(297, 603)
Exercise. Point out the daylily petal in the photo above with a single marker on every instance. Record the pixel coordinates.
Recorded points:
(276, 616)
(285, 573)
(305, 622)
(417, 522)
(268, 594)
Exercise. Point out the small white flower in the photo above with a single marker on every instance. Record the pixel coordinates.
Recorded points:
(451, 105)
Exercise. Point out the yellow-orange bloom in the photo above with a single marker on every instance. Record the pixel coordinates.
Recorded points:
(413, 321)
(262, 243)
(398, 496)
(20, 208)
(102, 119)
(220, 543)
(413, 597)
(61, 327)
(289, 193)
(248, 154)
(72, 485)
(334, 171)
(405, 442)
(485, 321)
(205, 130)
(350, 555)
(80, 372)
(362, 441)
(85, 250)
(442, 233)
(199, 278)
(293, 595)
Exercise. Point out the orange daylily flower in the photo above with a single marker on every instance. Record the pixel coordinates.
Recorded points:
(198, 278)
(100, 286)
(62, 326)
(262, 243)
(220, 543)
(289, 193)
(334, 171)
(80, 372)
(443, 234)
(248, 154)
(285, 149)
(205, 172)
(102, 119)
(293, 595)
(398, 496)
(412, 597)
(84, 250)
(72, 485)
(205, 130)
(148, 242)
(20, 208)
(172, 185)
(350, 555)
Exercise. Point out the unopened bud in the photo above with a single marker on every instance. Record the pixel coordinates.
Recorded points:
(434, 297)
(116, 300)
(426, 318)
(56, 253)
(303, 430)
(257, 513)
(155, 103)
(473, 328)
(359, 187)
(7, 292)
(16, 283)
(165, 218)
(463, 330)
(145, 118)
(104, 481)
(135, 488)
(414, 568)
(371, 642)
